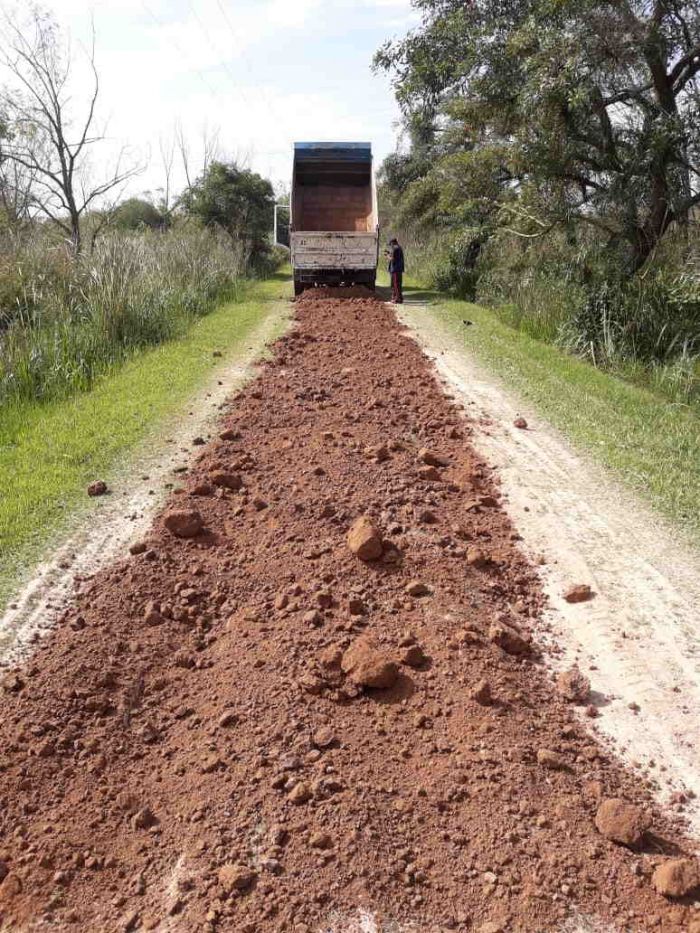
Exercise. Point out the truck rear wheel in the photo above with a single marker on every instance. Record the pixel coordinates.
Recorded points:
(298, 287)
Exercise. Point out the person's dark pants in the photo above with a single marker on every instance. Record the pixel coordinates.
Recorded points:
(397, 287)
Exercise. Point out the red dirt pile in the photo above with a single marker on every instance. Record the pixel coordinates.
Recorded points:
(245, 726)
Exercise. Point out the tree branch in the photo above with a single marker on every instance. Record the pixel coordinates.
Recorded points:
(689, 63)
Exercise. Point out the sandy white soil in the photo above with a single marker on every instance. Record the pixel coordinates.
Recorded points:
(101, 533)
(638, 639)
(367, 922)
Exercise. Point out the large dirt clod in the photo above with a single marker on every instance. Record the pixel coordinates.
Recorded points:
(477, 557)
(226, 480)
(368, 666)
(481, 693)
(414, 656)
(622, 822)
(508, 639)
(98, 488)
(677, 877)
(552, 760)
(578, 593)
(431, 458)
(417, 588)
(184, 523)
(364, 539)
(574, 685)
(235, 877)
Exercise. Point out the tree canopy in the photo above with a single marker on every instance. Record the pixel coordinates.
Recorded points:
(137, 213)
(234, 199)
(537, 113)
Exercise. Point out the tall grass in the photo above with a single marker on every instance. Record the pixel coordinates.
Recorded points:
(644, 328)
(64, 321)
(426, 255)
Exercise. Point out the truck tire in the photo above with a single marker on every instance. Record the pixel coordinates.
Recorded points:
(298, 288)
(372, 283)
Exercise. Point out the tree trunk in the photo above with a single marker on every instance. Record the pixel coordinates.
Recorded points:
(76, 237)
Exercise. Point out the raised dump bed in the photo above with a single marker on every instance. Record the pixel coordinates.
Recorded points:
(334, 232)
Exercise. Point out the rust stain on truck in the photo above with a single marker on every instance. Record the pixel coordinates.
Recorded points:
(334, 228)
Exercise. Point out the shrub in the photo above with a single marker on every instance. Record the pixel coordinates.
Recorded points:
(267, 259)
(458, 273)
(569, 291)
(137, 213)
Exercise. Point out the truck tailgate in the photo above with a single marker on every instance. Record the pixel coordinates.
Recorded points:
(327, 250)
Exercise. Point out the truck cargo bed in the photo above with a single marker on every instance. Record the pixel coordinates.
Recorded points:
(334, 235)
(321, 249)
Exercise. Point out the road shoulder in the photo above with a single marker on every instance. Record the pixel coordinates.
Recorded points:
(39, 575)
(637, 639)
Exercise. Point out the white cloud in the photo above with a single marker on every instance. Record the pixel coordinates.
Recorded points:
(266, 72)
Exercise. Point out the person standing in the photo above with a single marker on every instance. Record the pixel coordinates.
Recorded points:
(396, 269)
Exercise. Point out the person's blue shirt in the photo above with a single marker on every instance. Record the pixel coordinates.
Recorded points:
(396, 263)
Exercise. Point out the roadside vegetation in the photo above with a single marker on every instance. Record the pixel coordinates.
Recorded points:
(550, 170)
(87, 278)
(650, 442)
(51, 449)
(110, 306)
(66, 321)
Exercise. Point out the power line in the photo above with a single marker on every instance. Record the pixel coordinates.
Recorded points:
(217, 53)
(215, 92)
(179, 48)
(266, 98)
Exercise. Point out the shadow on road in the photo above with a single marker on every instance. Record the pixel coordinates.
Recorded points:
(411, 296)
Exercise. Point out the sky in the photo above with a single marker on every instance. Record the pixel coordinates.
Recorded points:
(263, 73)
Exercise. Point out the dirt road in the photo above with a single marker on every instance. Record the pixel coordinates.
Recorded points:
(258, 723)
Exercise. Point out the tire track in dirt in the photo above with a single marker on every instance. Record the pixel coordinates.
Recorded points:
(252, 729)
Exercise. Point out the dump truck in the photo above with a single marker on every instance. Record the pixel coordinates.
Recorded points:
(334, 236)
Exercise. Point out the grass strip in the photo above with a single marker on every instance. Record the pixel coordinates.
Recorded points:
(50, 451)
(652, 443)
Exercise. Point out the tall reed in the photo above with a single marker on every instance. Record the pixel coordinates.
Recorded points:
(645, 328)
(63, 321)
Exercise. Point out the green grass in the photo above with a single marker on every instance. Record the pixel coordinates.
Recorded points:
(50, 451)
(652, 443)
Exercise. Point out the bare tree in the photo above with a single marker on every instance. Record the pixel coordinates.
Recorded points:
(211, 151)
(51, 139)
(167, 158)
(211, 146)
(16, 184)
(184, 150)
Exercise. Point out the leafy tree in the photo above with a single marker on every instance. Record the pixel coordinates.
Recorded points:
(400, 169)
(136, 213)
(553, 112)
(237, 200)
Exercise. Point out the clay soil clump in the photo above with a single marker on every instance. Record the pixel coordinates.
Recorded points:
(677, 877)
(369, 666)
(622, 822)
(365, 540)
